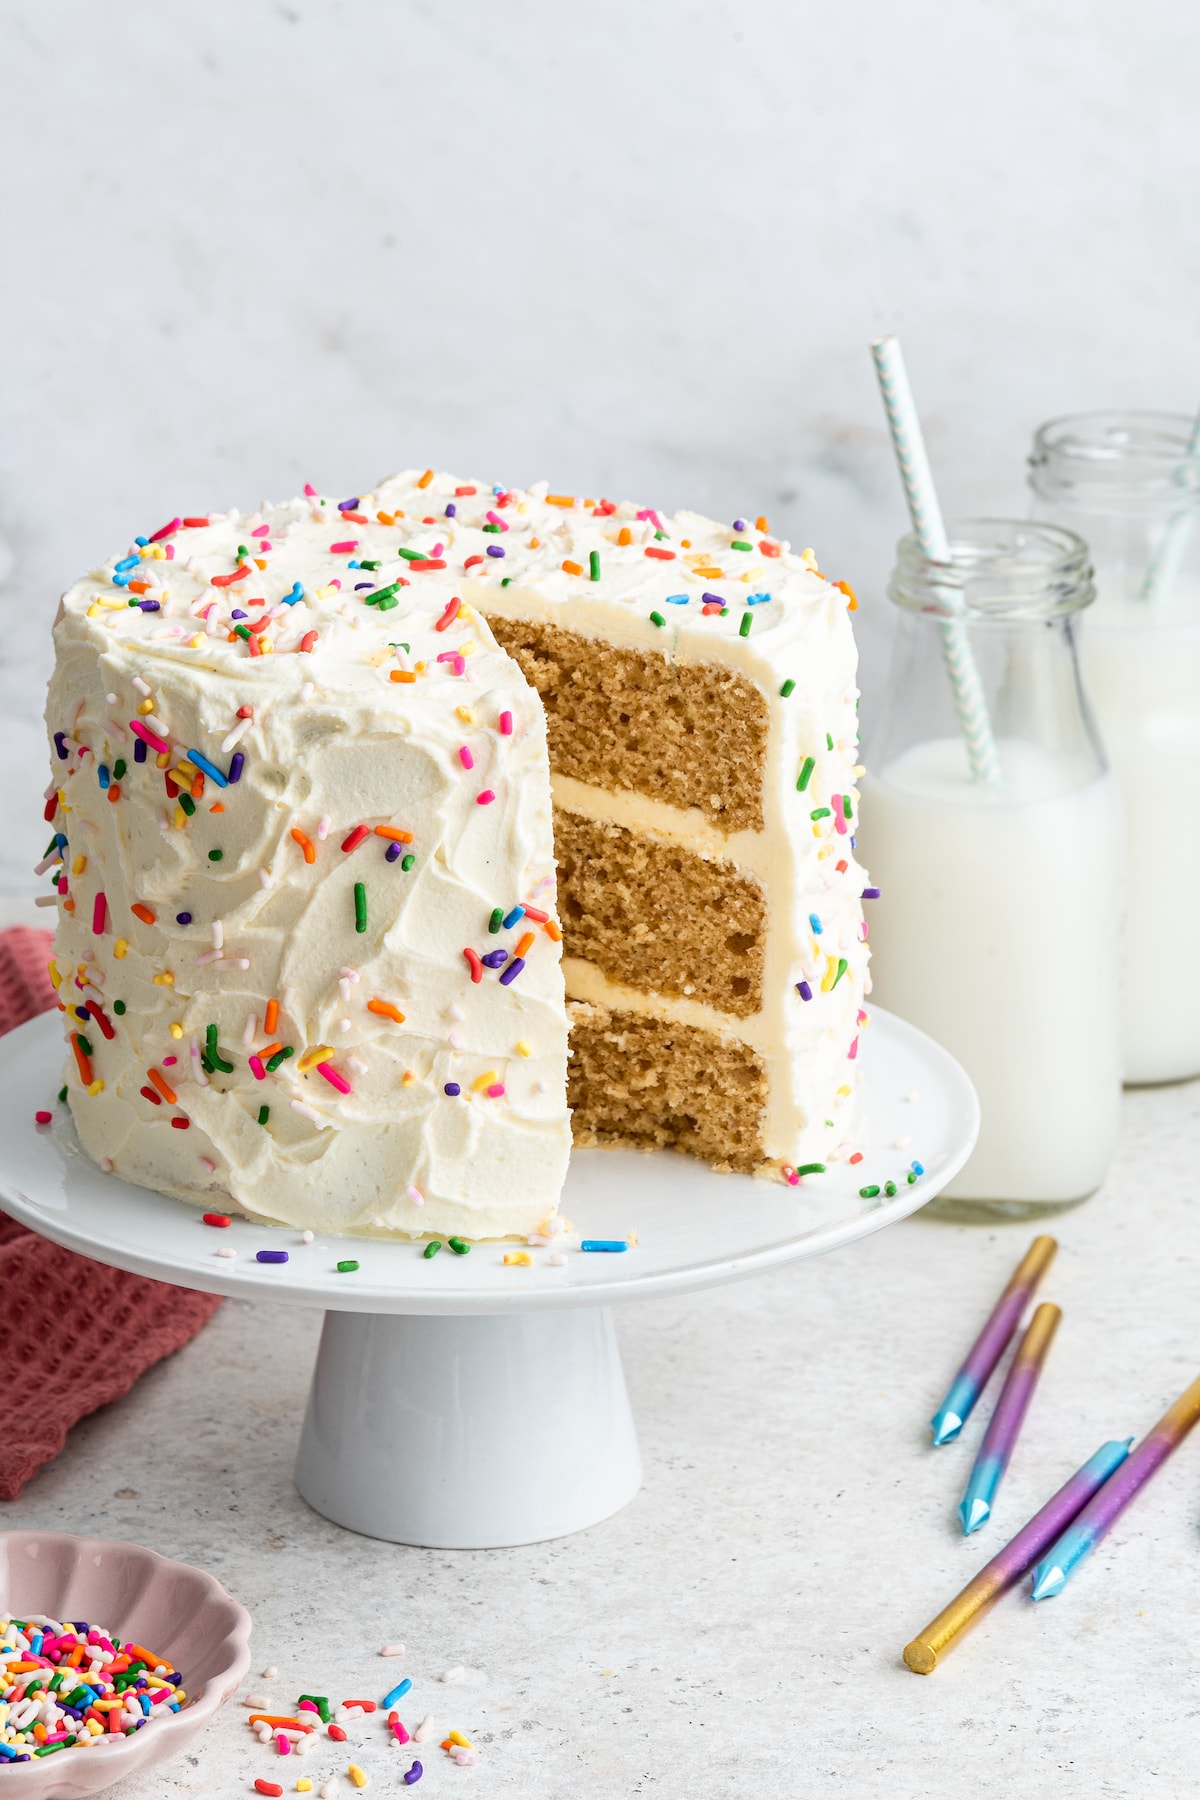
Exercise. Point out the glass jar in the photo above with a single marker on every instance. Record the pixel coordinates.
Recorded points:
(1130, 484)
(998, 929)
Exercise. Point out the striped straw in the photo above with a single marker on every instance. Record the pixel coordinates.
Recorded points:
(930, 531)
(1164, 564)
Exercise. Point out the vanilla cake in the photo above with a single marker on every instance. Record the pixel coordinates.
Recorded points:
(309, 924)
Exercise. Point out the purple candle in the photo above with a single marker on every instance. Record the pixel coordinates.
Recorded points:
(992, 1341)
(1083, 1534)
(1017, 1557)
(1004, 1426)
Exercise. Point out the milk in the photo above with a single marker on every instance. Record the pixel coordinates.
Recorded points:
(1141, 672)
(998, 933)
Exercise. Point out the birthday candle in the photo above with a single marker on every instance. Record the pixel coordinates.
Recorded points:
(1005, 1423)
(992, 1341)
(1017, 1557)
(1106, 1508)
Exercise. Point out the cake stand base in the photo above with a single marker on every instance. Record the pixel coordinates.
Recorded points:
(468, 1433)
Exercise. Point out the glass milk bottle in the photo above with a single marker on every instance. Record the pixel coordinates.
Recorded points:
(1130, 484)
(998, 926)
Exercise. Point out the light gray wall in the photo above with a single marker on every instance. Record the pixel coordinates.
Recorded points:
(636, 247)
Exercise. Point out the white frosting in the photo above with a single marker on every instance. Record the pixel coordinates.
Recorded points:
(334, 742)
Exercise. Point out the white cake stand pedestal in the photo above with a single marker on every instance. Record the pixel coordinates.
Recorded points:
(464, 1403)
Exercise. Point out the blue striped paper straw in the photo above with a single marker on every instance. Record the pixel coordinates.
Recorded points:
(926, 515)
(1164, 564)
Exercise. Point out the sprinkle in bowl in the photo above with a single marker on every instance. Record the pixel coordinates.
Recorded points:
(139, 1596)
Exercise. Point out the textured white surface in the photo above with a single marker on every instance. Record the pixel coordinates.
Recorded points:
(736, 1630)
(634, 248)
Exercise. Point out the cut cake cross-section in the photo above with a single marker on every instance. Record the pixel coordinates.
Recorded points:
(699, 687)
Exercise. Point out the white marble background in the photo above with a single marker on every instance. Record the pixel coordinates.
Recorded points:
(637, 248)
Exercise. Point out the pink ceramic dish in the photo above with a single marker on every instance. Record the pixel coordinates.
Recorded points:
(175, 1609)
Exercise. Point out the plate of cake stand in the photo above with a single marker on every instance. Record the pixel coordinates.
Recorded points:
(459, 1401)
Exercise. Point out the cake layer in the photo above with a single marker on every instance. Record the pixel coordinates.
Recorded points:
(748, 850)
(654, 915)
(686, 601)
(656, 1085)
(691, 734)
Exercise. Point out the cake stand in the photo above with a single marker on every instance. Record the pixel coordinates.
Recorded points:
(460, 1402)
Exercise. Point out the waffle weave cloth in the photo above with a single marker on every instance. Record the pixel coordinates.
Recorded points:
(41, 1285)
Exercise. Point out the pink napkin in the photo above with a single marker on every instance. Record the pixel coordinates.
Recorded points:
(141, 1321)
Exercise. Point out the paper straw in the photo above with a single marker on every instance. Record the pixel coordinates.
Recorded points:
(1164, 564)
(1016, 1559)
(930, 531)
(1004, 1426)
(1101, 1513)
(992, 1341)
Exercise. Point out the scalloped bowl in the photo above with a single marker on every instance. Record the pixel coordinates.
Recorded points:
(178, 1610)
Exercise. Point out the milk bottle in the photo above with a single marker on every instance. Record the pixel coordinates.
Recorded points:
(998, 929)
(1130, 483)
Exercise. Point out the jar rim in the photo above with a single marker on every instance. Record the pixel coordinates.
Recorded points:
(999, 570)
(1123, 456)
